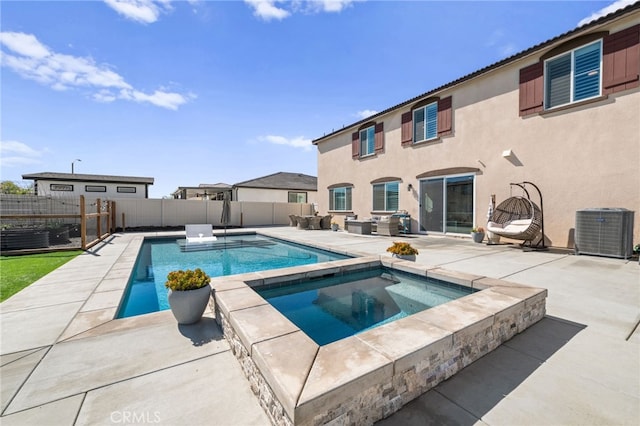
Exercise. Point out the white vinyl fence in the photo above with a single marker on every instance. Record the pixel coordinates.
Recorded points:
(170, 212)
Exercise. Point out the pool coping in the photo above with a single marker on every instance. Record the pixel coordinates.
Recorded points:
(366, 377)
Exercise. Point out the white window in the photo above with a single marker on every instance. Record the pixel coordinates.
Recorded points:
(297, 197)
(367, 141)
(573, 76)
(385, 196)
(425, 122)
(340, 199)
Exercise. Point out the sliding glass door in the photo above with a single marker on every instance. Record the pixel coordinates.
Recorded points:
(446, 204)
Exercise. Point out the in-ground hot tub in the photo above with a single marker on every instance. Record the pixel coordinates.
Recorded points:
(370, 375)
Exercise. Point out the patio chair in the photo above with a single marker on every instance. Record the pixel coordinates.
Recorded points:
(314, 222)
(388, 226)
(293, 220)
(325, 223)
(303, 222)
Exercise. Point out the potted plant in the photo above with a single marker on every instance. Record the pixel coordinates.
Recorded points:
(403, 250)
(335, 226)
(477, 233)
(188, 294)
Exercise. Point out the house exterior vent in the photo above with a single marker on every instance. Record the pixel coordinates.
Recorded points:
(604, 232)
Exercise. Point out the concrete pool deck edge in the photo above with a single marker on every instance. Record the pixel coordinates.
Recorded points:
(315, 385)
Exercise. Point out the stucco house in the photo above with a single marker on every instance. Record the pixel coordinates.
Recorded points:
(92, 186)
(203, 191)
(564, 114)
(281, 187)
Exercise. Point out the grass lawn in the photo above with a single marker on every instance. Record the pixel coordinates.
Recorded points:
(17, 272)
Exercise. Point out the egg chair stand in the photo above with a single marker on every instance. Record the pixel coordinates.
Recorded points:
(519, 218)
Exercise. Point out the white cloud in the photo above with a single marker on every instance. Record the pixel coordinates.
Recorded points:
(616, 5)
(143, 11)
(331, 5)
(29, 58)
(366, 113)
(267, 10)
(298, 142)
(280, 9)
(13, 153)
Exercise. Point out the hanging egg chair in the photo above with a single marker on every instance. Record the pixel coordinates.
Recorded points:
(519, 218)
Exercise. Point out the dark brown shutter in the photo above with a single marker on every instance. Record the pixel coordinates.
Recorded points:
(621, 60)
(407, 128)
(379, 138)
(355, 145)
(444, 116)
(531, 89)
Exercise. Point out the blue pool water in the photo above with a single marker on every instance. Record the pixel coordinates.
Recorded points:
(228, 256)
(330, 309)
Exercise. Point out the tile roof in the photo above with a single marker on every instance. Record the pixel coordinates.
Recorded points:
(282, 180)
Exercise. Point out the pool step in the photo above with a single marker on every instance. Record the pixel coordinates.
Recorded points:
(221, 244)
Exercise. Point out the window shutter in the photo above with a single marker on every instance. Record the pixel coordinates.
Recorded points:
(444, 116)
(379, 138)
(407, 128)
(531, 89)
(355, 145)
(621, 60)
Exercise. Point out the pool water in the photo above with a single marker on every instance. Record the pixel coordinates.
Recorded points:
(230, 255)
(330, 309)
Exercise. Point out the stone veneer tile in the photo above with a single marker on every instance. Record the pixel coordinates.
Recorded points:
(408, 341)
(460, 278)
(341, 371)
(285, 363)
(239, 298)
(259, 323)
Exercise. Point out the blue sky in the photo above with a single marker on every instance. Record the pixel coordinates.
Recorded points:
(192, 92)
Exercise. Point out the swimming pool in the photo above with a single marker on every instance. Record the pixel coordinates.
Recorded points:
(229, 255)
(330, 309)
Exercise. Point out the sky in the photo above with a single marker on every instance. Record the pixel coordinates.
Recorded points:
(204, 92)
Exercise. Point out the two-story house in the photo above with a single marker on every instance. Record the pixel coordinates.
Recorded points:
(564, 114)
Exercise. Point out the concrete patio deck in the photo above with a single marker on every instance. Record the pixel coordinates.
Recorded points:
(63, 360)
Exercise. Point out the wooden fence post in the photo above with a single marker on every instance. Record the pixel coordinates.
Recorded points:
(99, 218)
(83, 224)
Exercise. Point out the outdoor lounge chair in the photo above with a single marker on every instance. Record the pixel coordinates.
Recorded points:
(197, 234)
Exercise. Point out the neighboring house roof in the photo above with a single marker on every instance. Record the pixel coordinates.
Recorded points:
(85, 178)
(282, 180)
(220, 187)
(506, 61)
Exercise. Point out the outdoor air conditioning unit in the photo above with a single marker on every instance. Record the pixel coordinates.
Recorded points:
(604, 232)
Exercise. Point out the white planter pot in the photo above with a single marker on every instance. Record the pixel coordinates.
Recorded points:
(188, 306)
(411, 257)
